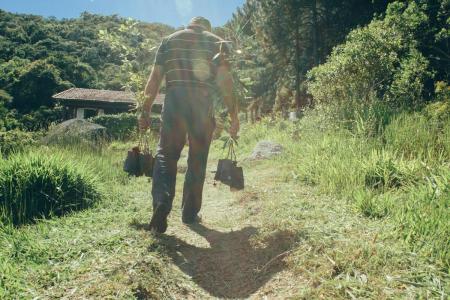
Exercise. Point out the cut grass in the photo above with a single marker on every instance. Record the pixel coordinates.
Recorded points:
(339, 254)
(90, 254)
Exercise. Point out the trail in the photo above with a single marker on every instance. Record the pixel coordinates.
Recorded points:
(277, 239)
(280, 239)
(225, 255)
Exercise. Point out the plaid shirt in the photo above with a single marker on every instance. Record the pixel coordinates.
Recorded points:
(186, 57)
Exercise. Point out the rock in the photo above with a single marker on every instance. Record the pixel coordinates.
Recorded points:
(266, 149)
(74, 130)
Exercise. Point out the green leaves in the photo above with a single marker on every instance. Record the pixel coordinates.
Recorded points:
(379, 65)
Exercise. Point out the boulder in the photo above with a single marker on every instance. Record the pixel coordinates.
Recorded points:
(266, 149)
(75, 130)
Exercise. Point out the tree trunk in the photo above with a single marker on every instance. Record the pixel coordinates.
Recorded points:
(297, 68)
(314, 32)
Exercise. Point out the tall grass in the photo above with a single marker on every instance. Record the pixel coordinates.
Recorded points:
(52, 181)
(36, 184)
(403, 173)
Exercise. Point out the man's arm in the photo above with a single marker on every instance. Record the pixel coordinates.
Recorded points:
(152, 87)
(225, 83)
(150, 93)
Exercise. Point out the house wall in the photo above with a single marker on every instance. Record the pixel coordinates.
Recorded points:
(75, 110)
(81, 112)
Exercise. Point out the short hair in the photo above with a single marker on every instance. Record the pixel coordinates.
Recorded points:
(201, 22)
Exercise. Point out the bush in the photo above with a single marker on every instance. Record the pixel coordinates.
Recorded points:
(42, 118)
(123, 126)
(15, 141)
(118, 126)
(35, 185)
(379, 63)
(440, 110)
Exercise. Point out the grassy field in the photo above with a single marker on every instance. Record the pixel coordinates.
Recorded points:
(402, 175)
(336, 216)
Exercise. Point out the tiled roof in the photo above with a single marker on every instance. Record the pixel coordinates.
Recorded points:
(96, 95)
(102, 96)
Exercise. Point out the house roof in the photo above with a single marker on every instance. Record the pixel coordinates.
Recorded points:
(102, 96)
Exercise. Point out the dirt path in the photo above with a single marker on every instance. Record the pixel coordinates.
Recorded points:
(225, 256)
(279, 239)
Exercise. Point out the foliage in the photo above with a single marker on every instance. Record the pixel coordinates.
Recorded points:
(403, 174)
(380, 69)
(35, 85)
(42, 56)
(15, 141)
(136, 50)
(281, 40)
(35, 185)
(5, 99)
(118, 126)
(42, 118)
(440, 110)
(379, 61)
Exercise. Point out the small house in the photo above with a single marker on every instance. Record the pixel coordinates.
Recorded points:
(86, 103)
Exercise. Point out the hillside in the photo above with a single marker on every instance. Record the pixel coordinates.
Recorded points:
(42, 56)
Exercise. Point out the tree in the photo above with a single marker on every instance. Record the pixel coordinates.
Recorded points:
(379, 68)
(35, 86)
(296, 35)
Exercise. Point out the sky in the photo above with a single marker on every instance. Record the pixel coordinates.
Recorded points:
(172, 12)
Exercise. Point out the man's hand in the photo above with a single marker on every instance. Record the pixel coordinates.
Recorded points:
(144, 122)
(234, 128)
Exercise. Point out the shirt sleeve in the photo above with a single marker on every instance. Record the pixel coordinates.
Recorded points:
(160, 58)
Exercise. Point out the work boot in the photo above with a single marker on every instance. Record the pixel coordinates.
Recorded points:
(191, 220)
(159, 219)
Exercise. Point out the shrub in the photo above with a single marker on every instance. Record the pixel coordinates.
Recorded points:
(379, 63)
(34, 185)
(123, 126)
(440, 110)
(118, 126)
(42, 118)
(14, 141)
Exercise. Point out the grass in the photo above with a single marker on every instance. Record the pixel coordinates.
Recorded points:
(90, 254)
(57, 257)
(381, 176)
(366, 217)
(42, 183)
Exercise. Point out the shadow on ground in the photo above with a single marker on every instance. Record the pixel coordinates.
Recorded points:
(235, 265)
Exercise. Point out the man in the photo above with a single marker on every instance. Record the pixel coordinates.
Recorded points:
(189, 61)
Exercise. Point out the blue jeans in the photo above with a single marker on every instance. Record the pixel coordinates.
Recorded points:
(188, 111)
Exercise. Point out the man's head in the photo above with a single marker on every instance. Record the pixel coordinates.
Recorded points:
(201, 22)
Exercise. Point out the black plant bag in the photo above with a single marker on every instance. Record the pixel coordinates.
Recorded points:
(228, 172)
(139, 163)
(131, 164)
(146, 162)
